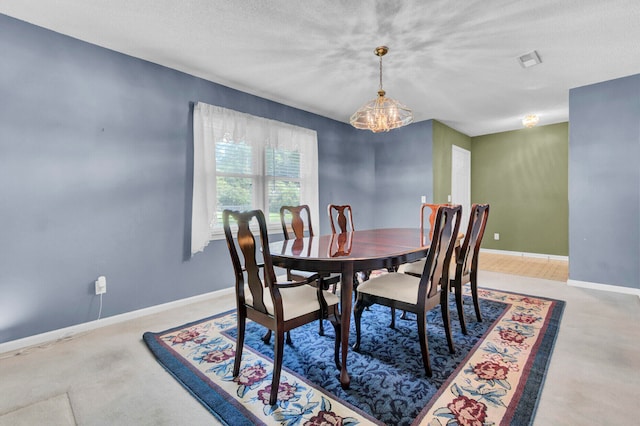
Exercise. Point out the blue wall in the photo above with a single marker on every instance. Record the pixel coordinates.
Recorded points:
(404, 173)
(95, 179)
(604, 183)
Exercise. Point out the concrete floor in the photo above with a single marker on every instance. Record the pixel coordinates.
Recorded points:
(107, 376)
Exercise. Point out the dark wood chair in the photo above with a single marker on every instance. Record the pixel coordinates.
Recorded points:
(341, 219)
(433, 210)
(416, 268)
(296, 224)
(418, 294)
(278, 305)
(467, 261)
(342, 216)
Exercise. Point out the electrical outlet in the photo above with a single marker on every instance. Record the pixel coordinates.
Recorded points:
(101, 285)
(448, 198)
(423, 199)
(496, 236)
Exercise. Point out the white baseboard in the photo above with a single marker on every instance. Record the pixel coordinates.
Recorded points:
(525, 254)
(68, 332)
(604, 287)
(574, 283)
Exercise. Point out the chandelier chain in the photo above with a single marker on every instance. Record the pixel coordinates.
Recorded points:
(380, 72)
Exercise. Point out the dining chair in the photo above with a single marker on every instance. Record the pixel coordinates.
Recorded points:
(261, 297)
(466, 263)
(416, 268)
(341, 219)
(418, 294)
(342, 216)
(296, 224)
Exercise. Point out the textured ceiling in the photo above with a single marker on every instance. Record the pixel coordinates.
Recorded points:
(450, 60)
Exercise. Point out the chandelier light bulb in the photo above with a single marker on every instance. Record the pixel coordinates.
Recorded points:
(530, 120)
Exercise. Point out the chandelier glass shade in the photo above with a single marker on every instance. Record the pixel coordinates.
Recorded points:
(381, 114)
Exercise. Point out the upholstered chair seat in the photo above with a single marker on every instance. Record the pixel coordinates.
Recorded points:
(296, 301)
(397, 286)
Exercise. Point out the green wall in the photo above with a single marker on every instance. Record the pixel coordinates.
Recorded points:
(523, 175)
(443, 138)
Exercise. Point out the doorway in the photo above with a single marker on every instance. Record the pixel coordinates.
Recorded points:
(461, 182)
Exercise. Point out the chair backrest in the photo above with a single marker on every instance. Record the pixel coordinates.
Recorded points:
(251, 265)
(299, 223)
(433, 209)
(468, 255)
(436, 267)
(342, 216)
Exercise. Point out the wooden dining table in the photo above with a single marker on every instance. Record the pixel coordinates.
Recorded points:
(347, 253)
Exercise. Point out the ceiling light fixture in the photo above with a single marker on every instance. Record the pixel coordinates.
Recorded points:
(381, 114)
(530, 120)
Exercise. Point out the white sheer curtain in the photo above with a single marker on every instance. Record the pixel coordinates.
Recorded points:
(213, 124)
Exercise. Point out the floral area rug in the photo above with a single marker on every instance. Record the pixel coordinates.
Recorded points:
(494, 377)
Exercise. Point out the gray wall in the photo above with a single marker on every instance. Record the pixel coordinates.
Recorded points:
(95, 179)
(604, 183)
(404, 172)
(347, 176)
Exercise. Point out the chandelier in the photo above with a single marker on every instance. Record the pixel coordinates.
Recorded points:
(381, 114)
(530, 120)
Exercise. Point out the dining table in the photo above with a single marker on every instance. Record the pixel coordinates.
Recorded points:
(347, 253)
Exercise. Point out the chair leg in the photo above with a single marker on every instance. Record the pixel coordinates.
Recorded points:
(267, 337)
(323, 308)
(444, 307)
(239, 345)
(474, 294)
(424, 345)
(393, 319)
(277, 366)
(459, 304)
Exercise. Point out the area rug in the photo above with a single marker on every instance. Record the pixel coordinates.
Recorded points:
(495, 376)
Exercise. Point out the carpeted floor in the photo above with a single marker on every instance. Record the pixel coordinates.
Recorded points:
(110, 378)
(56, 410)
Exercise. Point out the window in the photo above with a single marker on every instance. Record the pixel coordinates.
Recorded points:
(243, 162)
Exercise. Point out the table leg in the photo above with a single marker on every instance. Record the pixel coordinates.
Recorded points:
(346, 296)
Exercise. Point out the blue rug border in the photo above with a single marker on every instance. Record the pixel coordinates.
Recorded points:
(524, 413)
(229, 413)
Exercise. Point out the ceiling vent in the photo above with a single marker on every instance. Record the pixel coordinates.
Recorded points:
(529, 59)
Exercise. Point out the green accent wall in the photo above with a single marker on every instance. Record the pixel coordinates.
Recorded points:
(443, 138)
(523, 175)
